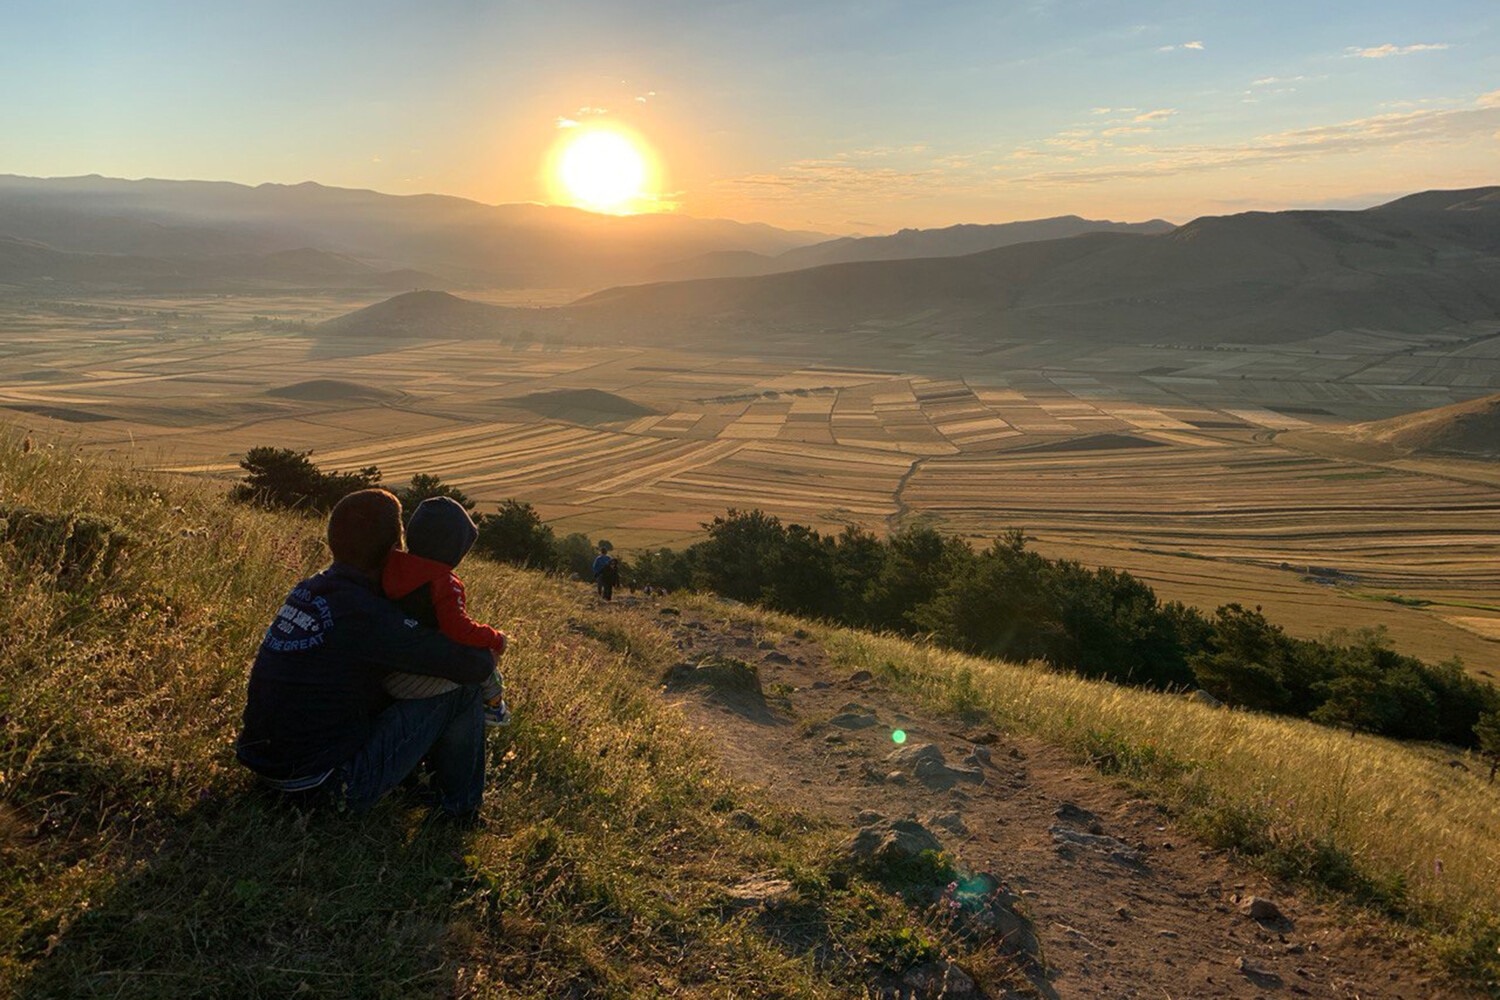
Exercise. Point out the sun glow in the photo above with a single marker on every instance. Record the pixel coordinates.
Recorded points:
(603, 170)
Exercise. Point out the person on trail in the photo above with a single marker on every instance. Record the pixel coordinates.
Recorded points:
(606, 572)
(422, 582)
(318, 723)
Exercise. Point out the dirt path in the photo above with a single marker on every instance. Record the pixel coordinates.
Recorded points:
(1125, 904)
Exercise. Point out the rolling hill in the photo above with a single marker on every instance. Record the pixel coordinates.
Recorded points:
(952, 241)
(1417, 264)
(1464, 430)
(463, 242)
(424, 314)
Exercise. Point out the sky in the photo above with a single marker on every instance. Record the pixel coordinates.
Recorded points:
(841, 117)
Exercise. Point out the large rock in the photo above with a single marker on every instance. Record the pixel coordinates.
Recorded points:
(1069, 841)
(941, 981)
(927, 764)
(892, 842)
(727, 677)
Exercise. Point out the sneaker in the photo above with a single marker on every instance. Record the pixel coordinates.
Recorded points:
(496, 715)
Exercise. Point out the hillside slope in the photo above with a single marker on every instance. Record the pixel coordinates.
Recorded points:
(1415, 265)
(628, 851)
(1470, 429)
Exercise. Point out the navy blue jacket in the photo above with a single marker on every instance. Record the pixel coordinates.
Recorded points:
(315, 684)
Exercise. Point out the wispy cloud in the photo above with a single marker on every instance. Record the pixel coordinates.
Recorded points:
(1188, 46)
(1159, 114)
(566, 122)
(1271, 81)
(1413, 129)
(643, 98)
(1386, 51)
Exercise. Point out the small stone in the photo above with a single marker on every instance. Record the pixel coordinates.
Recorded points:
(765, 644)
(1172, 935)
(820, 685)
(953, 822)
(896, 777)
(1202, 697)
(860, 677)
(979, 756)
(1261, 910)
(778, 657)
(801, 633)
(759, 891)
(669, 612)
(1122, 913)
(742, 820)
(849, 720)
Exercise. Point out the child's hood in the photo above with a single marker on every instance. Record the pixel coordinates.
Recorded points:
(441, 530)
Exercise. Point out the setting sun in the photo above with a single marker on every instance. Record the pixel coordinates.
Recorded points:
(602, 170)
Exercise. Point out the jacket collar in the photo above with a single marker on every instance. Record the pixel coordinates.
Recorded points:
(353, 574)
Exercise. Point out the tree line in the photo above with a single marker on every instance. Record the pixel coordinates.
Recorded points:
(1003, 600)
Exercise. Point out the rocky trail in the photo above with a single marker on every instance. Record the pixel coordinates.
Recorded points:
(1122, 902)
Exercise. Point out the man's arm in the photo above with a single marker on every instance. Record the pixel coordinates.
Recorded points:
(395, 642)
(454, 621)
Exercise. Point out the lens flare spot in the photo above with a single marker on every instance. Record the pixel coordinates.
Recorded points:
(898, 736)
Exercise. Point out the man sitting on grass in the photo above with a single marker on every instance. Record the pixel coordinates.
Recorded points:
(316, 719)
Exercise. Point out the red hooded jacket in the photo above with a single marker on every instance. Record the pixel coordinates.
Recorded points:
(405, 578)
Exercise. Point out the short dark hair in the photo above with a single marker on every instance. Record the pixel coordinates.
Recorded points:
(364, 527)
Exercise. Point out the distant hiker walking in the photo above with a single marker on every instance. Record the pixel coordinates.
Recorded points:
(606, 572)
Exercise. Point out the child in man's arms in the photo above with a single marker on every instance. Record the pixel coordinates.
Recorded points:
(422, 583)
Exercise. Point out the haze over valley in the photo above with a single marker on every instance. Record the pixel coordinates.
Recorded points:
(1168, 400)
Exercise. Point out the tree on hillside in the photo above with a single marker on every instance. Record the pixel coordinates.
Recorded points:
(1487, 734)
(286, 479)
(515, 534)
(737, 559)
(425, 487)
(575, 554)
(1246, 660)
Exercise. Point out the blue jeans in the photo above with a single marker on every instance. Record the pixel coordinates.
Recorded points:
(447, 730)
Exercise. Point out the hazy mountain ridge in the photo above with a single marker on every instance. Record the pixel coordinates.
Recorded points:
(907, 244)
(463, 242)
(1417, 264)
(30, 264)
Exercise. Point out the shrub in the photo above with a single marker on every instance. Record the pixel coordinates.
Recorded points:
(515, 534)
(284, 479)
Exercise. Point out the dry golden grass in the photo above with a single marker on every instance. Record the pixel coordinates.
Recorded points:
(137, 859)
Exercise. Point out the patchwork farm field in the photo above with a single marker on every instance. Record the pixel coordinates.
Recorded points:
(1162, 460)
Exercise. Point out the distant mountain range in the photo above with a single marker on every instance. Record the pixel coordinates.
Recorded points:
(453, 241)
(26, 263)
(1420, 263)
(952, 241)
(165, 235)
